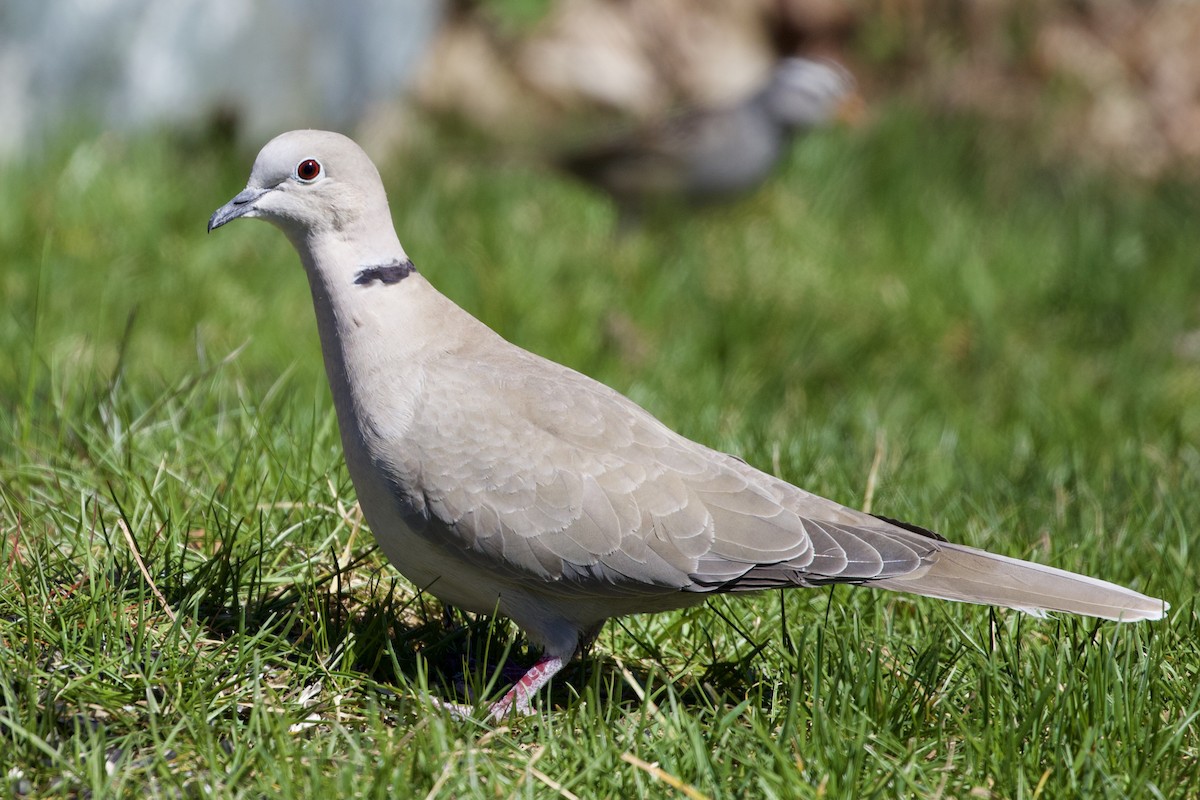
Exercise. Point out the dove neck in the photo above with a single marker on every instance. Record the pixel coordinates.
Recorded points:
(376, 335)
(361, 317)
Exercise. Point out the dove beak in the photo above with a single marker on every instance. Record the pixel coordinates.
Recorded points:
(240, 206)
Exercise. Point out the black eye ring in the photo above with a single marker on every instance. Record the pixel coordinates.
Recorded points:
(308, 170)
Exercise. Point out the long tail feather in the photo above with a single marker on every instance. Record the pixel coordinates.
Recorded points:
(976, 576)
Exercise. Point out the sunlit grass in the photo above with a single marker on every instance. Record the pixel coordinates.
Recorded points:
(1013, 342)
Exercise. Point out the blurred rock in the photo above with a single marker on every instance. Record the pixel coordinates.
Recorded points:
(469, 74)
(634, 59)
(1116, 82)
(1138, 65)
(639, 57)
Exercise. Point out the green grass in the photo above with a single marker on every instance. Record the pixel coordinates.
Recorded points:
(1016, 341)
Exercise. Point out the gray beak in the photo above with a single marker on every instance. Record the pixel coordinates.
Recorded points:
(237, 207)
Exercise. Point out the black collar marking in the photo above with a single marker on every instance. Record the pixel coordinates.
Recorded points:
(386, 274)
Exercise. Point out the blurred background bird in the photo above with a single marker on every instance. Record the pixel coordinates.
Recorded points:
(705, 155)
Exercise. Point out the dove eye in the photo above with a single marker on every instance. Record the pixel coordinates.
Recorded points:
(308, 170)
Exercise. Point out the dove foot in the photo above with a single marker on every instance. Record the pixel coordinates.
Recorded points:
(516, 699)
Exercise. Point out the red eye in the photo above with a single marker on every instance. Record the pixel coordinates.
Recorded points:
(308, 170)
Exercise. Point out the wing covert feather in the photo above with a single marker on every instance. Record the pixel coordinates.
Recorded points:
(552, 474)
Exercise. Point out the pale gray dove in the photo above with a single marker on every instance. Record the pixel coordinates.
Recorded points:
(500, 481)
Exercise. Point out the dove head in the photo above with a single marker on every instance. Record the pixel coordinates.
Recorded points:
(803, 93)
(317, 187)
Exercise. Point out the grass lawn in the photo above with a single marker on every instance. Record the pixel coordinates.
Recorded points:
(922, 315)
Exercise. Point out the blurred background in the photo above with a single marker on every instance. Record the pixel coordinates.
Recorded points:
(1116, 81)
(968, 296)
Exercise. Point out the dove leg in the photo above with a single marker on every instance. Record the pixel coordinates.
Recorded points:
(519, 695)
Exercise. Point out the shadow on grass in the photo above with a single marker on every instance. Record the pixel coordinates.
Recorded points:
(397, 638)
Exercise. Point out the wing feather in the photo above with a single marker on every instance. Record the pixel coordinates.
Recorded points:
(575, 483)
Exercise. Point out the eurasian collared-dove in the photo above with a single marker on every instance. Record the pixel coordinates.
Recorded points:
(498, 480)
(712, 154)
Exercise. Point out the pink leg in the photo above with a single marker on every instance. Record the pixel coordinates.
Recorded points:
(519, 695)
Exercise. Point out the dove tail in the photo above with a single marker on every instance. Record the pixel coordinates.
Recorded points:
(975, 576)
